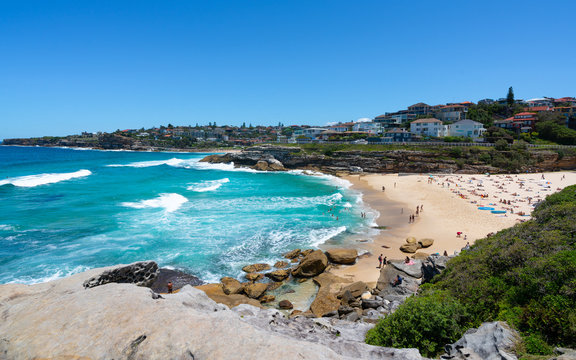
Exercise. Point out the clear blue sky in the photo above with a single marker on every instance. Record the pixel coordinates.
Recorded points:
(69, 66)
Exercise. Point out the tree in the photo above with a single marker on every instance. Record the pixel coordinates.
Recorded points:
(510, 96)
(481, 114)
(170, 126)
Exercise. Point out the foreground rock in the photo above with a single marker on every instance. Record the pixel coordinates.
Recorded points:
(313, 264)
(342, 256)
(434, 265)
(491, 341)
(141, 273)
(63, 320)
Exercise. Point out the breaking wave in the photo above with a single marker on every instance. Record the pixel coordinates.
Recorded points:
(43, 179)
(208, 185)
(170, 202)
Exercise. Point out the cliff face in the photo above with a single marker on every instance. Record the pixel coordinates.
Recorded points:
(396, 161)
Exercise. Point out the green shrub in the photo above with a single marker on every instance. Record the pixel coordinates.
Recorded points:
(426, 322)
(536, 346)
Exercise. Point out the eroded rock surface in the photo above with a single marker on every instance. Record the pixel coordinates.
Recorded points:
(141, 273)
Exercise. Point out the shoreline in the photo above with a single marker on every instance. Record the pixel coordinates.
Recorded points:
(446, 211)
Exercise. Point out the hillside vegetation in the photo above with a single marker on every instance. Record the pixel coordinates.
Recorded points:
(524, 275)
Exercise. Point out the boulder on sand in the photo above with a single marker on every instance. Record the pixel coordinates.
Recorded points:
(411, 240)
(256, 268)
(312, 265)
(342, 256)
(426, 242)
(409, 248)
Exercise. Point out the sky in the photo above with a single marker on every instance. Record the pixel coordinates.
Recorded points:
(73, 66)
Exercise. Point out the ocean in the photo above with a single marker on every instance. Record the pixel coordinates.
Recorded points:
(63, 211)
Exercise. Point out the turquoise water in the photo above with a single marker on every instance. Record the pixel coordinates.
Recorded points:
(63, 211)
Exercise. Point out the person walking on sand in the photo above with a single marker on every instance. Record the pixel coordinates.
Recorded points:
(380, 261)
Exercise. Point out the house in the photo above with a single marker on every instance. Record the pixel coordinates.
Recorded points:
(565, 100)
(370, 127)
(419, 109)
(540, 102)
(309, 133)
(428, 127)
(467, 128)
(397, 135)
(395, 119)
(521, 123)
(451, 113)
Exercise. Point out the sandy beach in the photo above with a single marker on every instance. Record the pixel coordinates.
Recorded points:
(450, 205)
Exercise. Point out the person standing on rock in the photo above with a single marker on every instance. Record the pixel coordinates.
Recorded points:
(380, 260)
(170, 287)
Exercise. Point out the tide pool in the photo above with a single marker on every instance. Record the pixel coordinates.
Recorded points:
(63, 211)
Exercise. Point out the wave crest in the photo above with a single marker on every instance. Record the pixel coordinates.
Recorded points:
(208, 185)
(43, 179)
(170, 202)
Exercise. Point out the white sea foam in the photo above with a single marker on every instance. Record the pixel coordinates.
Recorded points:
(6, 227)
(144, 164)
(208, 185)
(56, 274)
(320, 236)
(196, 164)
(170, 202)
(43, 179)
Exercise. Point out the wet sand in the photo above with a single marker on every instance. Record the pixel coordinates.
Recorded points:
(450, 205)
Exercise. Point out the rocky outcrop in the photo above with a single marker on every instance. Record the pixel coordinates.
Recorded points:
(491, 341)
(63, 320)
(342, 256)
(433, 265)
(426, 242)
(409, 248)
(326, 300)
(414, 270)
(292, 254)
(311, 265)
(140, 273)
(231, 286)
(254, 291)
(216, 293)
(278, 275)
(256, 268)
(343, 337)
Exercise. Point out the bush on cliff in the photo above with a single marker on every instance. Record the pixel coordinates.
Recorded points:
(430, 321)
(524, 275)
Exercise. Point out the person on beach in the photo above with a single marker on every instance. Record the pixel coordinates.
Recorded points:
(380, 259)
(407, 260)
(417, 210)
(170, 287)
(383, 188)
(397, 281)
(445, 253)
(465, 237)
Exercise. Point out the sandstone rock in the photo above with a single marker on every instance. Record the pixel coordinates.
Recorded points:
(366, 295)
(216, 293)
(256, 290)
(295, 260)
(267, 298)
(411, 240)
(275, 165)
(231, 286)
(261, 166)
(285, 305)
(281, 264)
(295, 313)
(306, 252)
(278, 275)
(253, 276)
(409, 248)
(326, 300)
(491, 341)
(140, 273)
(313, 264)
(342, 256)
(292, 254)
(256, 268)
(420, 256)
(356, 289)
(426, 242)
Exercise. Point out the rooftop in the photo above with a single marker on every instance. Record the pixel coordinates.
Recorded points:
(428, 120)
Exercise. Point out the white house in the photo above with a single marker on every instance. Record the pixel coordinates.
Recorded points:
(310, 133)
(427, 127)
(371, 127)
(467, 128)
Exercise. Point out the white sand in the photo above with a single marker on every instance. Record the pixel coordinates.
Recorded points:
(450, 205)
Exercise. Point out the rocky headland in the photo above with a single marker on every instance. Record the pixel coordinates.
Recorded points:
(279, 158)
